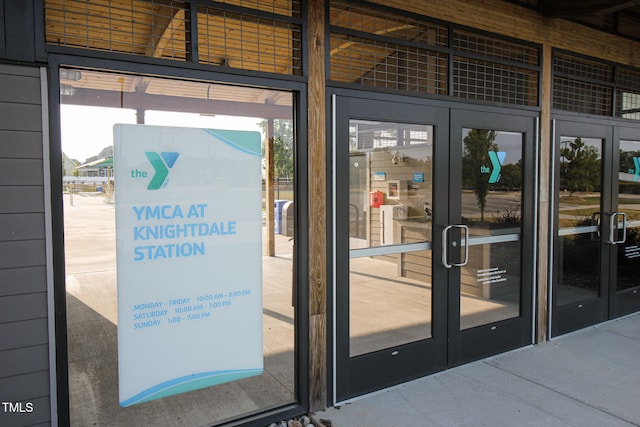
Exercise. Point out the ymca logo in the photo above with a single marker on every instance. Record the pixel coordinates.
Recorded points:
(161, 163)
(636, 171)
(497, 160)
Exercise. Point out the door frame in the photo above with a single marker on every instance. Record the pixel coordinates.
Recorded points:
(609, 304)
(357, 380)
(628, 300)
(467, 345)
(527, 318)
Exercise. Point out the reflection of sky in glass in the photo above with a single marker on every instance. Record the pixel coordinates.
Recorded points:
(511, 142)
(629, 145)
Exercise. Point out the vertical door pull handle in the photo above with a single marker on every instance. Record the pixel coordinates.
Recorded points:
(613, 227)
(445, 244)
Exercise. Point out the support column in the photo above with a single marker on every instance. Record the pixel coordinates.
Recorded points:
(270, 194)
(317, 208)
(544, 197)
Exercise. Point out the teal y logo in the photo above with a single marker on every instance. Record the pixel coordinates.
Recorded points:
(636, 171)
(497, 160)
(161, 163)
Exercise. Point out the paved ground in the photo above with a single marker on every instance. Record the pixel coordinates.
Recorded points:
(586, 378)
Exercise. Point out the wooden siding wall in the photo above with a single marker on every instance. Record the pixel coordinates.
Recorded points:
(24, 348)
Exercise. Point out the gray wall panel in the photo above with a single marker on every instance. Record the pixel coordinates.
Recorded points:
(19, 70)
(24, 325)
(23, 280)
(20, 144)
(20, 117)
(23, 334)
(21, 226)
(24, 360)
(28, 386)
(28, 253)
(20, 89)
(21, 172)
(39, 417)
(23, 307)
(22, 199)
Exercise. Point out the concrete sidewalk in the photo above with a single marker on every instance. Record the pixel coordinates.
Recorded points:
(587, 378)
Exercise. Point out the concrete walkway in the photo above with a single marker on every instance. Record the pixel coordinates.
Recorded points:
(587, 378)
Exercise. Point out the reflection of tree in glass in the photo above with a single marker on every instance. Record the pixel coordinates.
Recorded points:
(477, 145)
(579, 167)
(510, 177)
(282, 148)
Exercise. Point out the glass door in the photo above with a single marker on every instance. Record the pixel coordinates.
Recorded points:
(432, 235)
(487, 240)
(390, 304)
(597, 217)
(624, 237)
(582, 214)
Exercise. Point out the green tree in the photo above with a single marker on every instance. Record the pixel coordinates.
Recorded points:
(579, 167)
(477, 145)
(282, 147)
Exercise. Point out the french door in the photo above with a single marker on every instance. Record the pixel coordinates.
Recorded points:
(597, 223)
(432, 239)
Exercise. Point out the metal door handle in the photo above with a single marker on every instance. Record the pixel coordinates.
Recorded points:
(445, 256)
(613, 227)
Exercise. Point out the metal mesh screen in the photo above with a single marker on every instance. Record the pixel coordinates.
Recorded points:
(279, 7)
(156, 28)
(245, 34)
(493, 47)
(582, 97)
(582, 68)
(628, 104)
(384, 49)
(489, 81)
(249, 42)
(381, 23)
(628, 78)
(387, 65)
(627, 100)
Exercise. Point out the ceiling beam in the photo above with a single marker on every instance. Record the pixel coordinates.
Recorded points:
(144, 101)
(581, 8)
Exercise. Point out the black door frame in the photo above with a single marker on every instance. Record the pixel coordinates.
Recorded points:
(404, 362)
(610, 303)
(503, 335)
(496, 337)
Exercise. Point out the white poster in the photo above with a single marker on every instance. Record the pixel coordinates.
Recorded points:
(189, 257)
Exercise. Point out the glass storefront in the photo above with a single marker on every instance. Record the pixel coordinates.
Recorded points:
(92, 102)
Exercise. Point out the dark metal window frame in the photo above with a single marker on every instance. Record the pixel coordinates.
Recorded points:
(613, 84)
(301, 266)
(449, 51)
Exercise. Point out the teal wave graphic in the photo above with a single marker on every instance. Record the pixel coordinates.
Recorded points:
(245, 141)
(189, 383)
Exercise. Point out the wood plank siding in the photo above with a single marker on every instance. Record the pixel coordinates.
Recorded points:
(24, 343)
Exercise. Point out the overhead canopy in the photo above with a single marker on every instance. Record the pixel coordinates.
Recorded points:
(104, 163)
